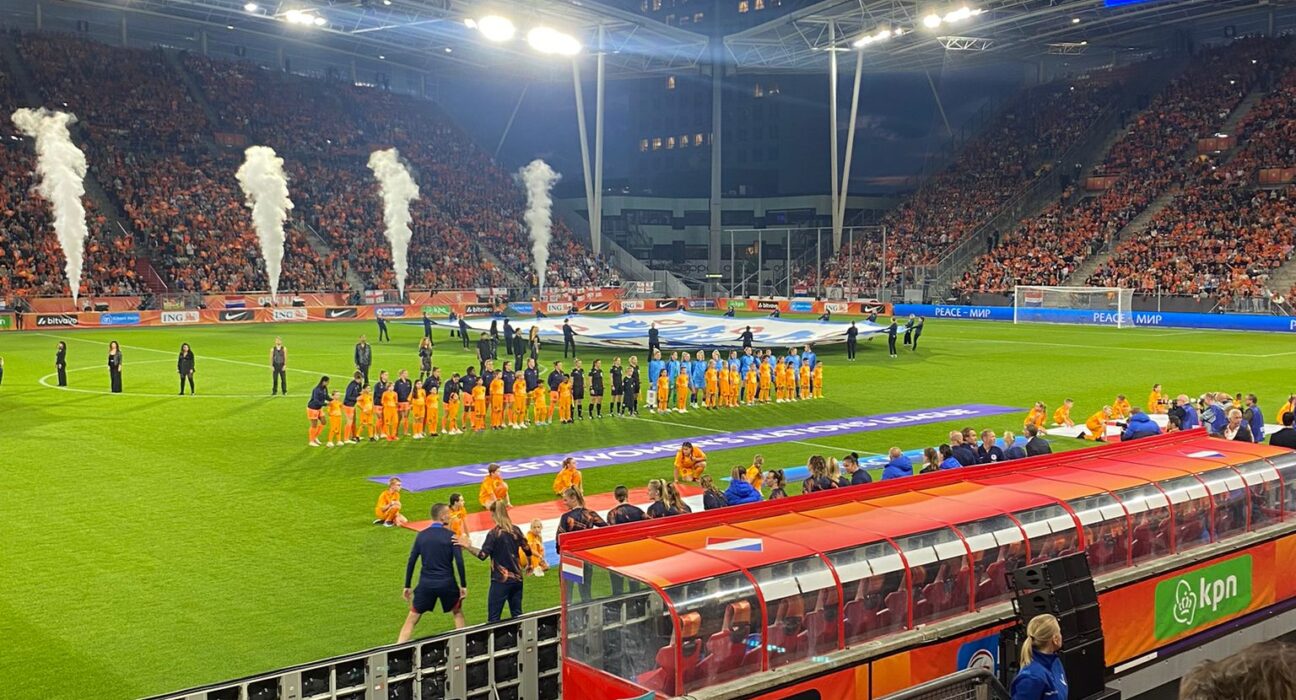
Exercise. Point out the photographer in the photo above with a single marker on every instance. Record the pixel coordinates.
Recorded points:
(1141, 425)
(1182, 408)
(1214, 416)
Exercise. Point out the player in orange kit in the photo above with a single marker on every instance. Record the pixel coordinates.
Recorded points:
(390, 413)
(735, 385)
(1097, 423)
(818, 379)
(681, 392)
(418, 411)
(1062, 416)
(1121, 408)
(432, 403)
(335, 421)
(663, 391)
(539, 405)
(458, 516)
(479, 406)
(749, 386)
(565, 399)
(450, 399)
(805, 380)
(1036, 415)
(519, 401)
(365, 407)
(492, 488)
(766, 382)
(388, 510)
(568, 477)
(535, 540)
(712, 395)
(497, 401)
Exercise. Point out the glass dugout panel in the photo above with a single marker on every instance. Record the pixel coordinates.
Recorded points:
(935, 559)
(1050, 530)
(803, 611)
(1229, 494)
(728, 635)
(1191, 505)
(1286, 466)
(997, 545)
(1106, 530)
(871, 575)
(1149, 512)
(617, 633)
(1265, 492)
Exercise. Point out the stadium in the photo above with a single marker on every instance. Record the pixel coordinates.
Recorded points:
(714, 349)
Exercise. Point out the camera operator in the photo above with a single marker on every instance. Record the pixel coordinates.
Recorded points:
(1183, 408)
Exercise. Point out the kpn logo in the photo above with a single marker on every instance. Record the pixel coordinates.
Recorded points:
(1200, 597)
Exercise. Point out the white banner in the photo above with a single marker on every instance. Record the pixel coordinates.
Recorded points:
(175, 317)
(680, 329)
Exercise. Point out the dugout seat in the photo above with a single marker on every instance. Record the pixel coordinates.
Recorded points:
(662, 678)
(728, 654)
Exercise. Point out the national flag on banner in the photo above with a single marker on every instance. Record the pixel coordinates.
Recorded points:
(374, 296)
(735, 544)
(573, 570)
(235, 303)
(1205, 454)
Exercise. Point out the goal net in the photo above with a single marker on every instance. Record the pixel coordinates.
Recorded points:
(1089, 306)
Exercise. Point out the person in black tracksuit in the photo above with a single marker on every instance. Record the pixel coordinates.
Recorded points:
(383, 335)
(60, 363)
(852, 341)
(518, 349)
(569, 338)
(654, 339)
(463, 331)
(891, 336)
(578, 389)
(746, 337)
(185, 366)
(364, 358)
(630, 391)
(508, 340)
(494, 338)
(483, 353)
(278, 365)
(917, 333)
(617, 387)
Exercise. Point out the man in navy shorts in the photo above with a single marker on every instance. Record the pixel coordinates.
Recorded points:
(437, 583)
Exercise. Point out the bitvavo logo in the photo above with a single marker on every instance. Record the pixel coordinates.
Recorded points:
(1190, 601)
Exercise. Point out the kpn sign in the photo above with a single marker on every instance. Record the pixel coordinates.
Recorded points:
(1198, 598)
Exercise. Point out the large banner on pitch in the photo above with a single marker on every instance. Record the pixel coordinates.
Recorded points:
(681, 329)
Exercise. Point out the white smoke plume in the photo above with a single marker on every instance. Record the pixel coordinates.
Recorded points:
(398, 189)
(266, 187)
(539, 179)
(62, 168)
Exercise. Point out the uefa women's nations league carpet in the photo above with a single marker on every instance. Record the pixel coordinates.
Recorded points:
(471, 474)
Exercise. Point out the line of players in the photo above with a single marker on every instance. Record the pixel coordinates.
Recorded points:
(506, 399)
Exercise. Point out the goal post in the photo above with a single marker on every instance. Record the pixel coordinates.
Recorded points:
(1087, 306)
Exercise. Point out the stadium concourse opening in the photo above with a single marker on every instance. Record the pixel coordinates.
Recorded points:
(760, 373)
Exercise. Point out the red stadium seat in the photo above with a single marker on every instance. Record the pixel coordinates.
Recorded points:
(662, 678)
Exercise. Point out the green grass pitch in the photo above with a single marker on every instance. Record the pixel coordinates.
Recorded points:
(151, 542)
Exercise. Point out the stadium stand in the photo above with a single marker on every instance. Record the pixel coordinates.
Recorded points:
(1150, 158)
(998, 164)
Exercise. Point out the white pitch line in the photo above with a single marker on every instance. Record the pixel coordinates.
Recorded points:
(259, 365)
(789, 442)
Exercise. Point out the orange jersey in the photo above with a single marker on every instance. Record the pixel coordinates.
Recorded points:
(755, 477)
(479, 396)
(335, 409)
(682, 384)
(389, 399)
(688, 464)
(492, 489)
(459, 521)
(519, 387)
(567, 478)
(818, 373)
(1062, 415)
(1096, 425)
(497, 389)
(766, 377)
(1121, 408)
(663, 386)
(386, 500)
(805, 375)
(564, 391)
(712, 379)
(1156, 402)
(420, 402)
(366, 406)
(1035, 417)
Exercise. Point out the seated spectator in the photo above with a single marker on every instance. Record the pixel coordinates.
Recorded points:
(899, 465)
(1263, 671)
(1141, 425)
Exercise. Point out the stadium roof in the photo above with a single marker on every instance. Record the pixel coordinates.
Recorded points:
(432, 35)
(1004, 30)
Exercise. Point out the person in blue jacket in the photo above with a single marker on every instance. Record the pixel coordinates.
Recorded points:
(1190, 418)
(948, 460)
(1041, 676)
(898, 466)
(1139, 425)
(740, 491)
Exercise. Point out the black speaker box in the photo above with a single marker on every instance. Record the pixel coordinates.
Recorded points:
(1085, 667)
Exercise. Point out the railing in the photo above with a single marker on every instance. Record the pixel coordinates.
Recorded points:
(516, 659)
(968, 684)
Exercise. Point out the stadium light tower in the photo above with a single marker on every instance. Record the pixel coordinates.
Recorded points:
(493, 27)
(552, 41)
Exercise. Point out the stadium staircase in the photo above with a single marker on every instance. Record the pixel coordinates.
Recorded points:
(1087, 152)
(1139, 224)
(633, 269)
(194, 91)
(324, 250)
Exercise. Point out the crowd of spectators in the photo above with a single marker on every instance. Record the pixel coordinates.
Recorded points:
(1000, 163)
(1151, 157)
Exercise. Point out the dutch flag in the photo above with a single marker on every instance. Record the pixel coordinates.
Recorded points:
(573, 570)
(1203, 454)
(735, 544)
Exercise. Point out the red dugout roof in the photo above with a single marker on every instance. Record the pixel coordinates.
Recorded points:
(675, 551)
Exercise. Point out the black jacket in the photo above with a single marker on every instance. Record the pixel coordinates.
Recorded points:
(1038, 446)
(1284, 438)
(185, 363)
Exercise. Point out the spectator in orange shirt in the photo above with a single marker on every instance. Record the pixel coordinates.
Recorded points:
(690, 463)
(388, 511)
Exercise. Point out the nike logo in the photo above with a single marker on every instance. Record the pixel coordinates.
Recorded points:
(336, 313)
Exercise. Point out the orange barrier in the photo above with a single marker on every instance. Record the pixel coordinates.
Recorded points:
(1098, 183)
(1214, 144)
(1277, 176)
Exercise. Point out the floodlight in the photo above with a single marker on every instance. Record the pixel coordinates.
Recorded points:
(496, 28)
(548, 40)
(932, 21)
(251, 7)
(882, 34)
(470, 23)
(1075, 20)
(862, 42)
(320, 21)
(958, 15)
(294, 16)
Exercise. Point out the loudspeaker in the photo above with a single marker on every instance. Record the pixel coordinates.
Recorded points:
(1063, 588)
(1085, 667)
